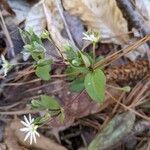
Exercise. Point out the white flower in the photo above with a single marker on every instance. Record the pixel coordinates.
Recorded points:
(30, 129)
(5, 65)
(91, 37)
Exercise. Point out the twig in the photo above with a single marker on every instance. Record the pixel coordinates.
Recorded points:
(60, 9)
(20, 112)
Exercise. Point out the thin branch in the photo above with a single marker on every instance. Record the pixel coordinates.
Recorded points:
(60, 9)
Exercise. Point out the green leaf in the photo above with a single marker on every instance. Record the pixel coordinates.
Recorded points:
(37, 56)
(35, 104)
(43, 72)
(85, 59)
(75, 71)
(49, 102)
(25, 35)
(43, 62)
(95, 85)
(46, 102)
(29, 36)
(77, 85)
(62, 115)
(38, 47)
(126, 88)
(45, 35)
(70, 52)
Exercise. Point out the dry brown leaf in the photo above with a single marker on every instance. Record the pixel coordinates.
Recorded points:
(42, 142)
(11, 141)
(81, 106)
(55, 25)
(103, 16)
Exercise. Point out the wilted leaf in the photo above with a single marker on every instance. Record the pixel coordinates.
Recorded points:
(95, 85)
(115, 131)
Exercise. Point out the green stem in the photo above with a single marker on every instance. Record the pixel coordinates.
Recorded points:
(94, 55)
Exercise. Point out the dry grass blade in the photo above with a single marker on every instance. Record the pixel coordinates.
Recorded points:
(139, 93)
(122, 52)
(60, 9)
(128, 108)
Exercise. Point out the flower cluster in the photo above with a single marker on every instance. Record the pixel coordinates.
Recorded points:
(92, 37)
(30, 129)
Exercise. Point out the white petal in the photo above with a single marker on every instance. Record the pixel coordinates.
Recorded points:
(24, 129)
(37, 133)
(30, 119)
(25, 124)
(27, 136)
(34, 138)
(26, 120)
(31, 138)
(85, 34)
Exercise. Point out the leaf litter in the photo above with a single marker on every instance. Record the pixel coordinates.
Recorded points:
(83, 117)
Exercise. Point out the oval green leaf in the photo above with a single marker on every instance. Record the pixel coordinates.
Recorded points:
(43, 72)
(95, 85)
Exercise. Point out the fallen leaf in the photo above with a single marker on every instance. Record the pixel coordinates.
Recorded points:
(55, 25)
(34, 21)
(82, 106)
(11, 141)
(114, 132)
(21, 9)
(102, 16)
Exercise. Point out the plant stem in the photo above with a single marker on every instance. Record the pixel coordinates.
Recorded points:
(94, 55)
